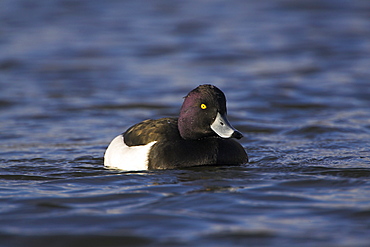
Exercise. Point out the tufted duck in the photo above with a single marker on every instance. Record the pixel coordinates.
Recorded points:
(201, 135)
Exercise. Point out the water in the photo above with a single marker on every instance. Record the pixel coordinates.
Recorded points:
(74, 74)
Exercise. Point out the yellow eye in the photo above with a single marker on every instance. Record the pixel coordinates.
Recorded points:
(203, 106)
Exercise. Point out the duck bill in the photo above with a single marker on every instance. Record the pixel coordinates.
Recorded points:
(223, 128)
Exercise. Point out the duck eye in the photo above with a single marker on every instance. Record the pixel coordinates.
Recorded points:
(203, 106)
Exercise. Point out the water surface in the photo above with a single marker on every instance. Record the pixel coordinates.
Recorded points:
(74, 74)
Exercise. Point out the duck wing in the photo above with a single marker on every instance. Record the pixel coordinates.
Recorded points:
(150, 130)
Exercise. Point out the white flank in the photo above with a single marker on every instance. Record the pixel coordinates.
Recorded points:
(120, 156)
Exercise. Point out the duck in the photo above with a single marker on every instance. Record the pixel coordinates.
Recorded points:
(200, 136)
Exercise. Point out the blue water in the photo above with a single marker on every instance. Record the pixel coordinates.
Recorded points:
(74, 74)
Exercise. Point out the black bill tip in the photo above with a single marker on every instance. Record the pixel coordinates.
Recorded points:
(237, 135)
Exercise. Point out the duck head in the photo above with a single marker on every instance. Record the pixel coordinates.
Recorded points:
(203, 114)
